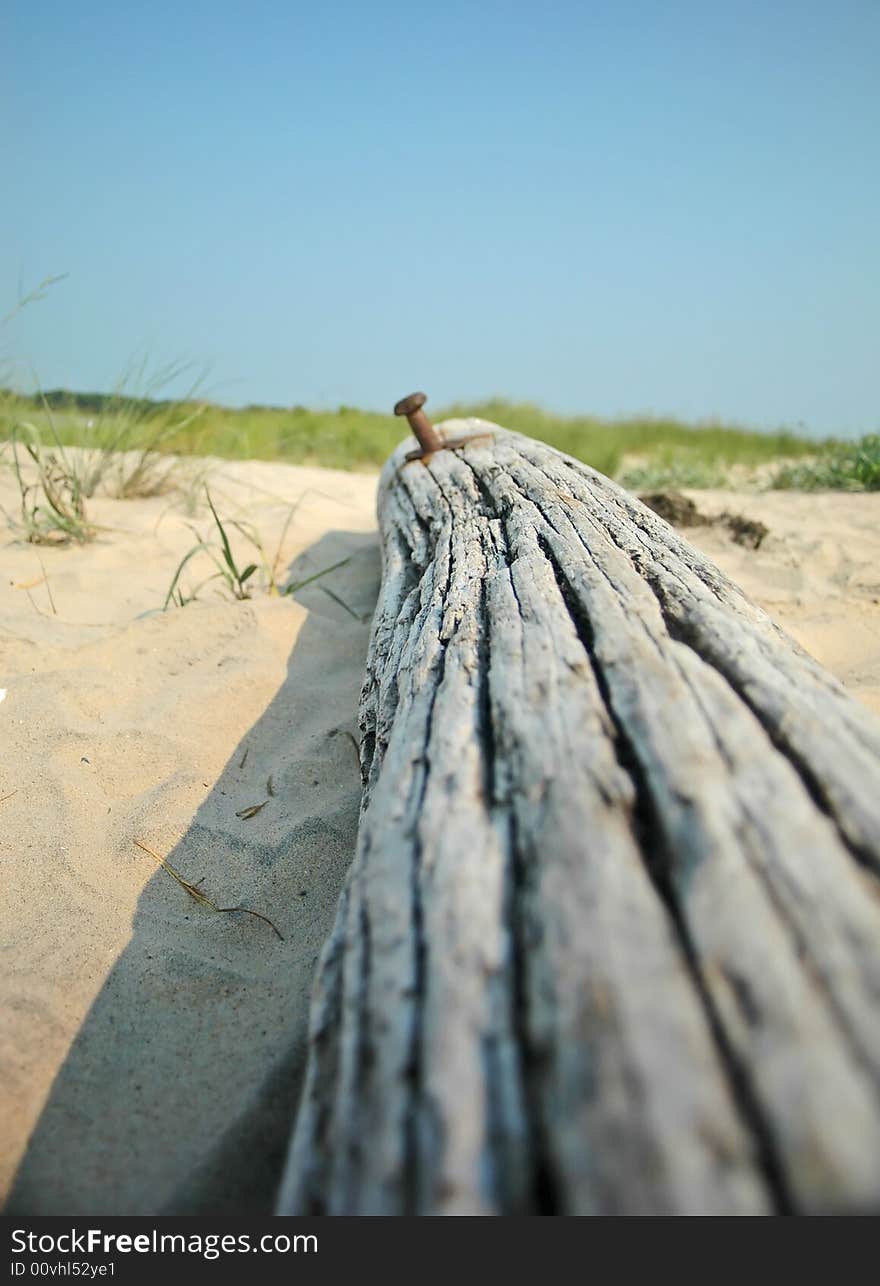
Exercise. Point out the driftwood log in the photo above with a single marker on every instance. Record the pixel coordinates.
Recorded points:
(611, 939)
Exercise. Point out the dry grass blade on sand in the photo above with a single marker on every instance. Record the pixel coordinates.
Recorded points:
(202, 898)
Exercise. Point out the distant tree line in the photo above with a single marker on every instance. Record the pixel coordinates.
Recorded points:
(62, 399)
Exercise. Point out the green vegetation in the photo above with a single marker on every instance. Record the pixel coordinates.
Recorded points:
(642, 452)
(52, 508)
(122, 440)
(129, 442)
(847, 466)
(121, 450)
(237, 579)
(123, 437)
(647, 451)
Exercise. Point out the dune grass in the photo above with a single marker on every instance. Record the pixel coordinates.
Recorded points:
(52, 505)
(234, 573)
(846, 466)
(130, 440)
(645, 450)
(123, 437)
(640, 451)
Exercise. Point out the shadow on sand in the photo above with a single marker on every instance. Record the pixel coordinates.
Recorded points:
(177, 1095)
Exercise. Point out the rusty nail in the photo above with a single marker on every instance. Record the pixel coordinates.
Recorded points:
(426, 435)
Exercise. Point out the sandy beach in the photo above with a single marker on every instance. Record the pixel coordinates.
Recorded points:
(151, 1048)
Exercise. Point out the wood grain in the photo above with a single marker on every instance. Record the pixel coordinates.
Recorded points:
(611, 940)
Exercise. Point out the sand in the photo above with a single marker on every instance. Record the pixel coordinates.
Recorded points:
(817, 573)
(151, 1050)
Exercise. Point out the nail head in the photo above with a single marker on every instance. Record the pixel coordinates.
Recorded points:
(409, 405)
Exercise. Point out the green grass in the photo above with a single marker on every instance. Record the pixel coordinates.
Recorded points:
(641, 451)
(669, 447)
(123, 436)
(847, 466)
(52, 507)
(121, 448)
(237, 579)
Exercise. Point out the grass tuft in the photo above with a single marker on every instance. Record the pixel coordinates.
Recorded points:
(238, 579)
(849, 466)
(52, 505)
(123, 437)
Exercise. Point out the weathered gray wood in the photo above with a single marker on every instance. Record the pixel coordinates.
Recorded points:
(611, 940)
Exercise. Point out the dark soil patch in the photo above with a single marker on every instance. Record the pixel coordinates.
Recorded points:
(682, 512)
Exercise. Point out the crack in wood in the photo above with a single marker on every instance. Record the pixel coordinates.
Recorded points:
(620, 958)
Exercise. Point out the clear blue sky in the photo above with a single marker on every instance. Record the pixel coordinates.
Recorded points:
(613, 206)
